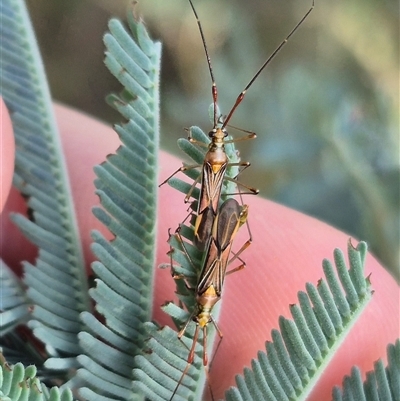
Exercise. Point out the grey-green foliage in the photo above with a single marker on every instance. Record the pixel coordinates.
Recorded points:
(14, 302)
(300, 352)
(351, 159)
(127, 186)
(56, 284)
(381, 384)
(18, 383)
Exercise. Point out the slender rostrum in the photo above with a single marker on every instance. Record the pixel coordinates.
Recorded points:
(208, 291)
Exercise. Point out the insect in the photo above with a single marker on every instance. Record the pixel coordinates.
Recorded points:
(216, 160)
(215, 227)
(208, 291)
(211, 178)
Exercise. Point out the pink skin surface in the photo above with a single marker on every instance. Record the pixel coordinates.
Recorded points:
(287, 250)
(7, 153)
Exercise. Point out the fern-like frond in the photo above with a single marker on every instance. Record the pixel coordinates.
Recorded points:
(21, 384)
(14, 306)
(127, 186)
(298, 354)
(381, 384)
(57, 283)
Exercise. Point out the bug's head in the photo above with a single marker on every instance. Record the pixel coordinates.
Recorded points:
(202, 319)
(218, 134)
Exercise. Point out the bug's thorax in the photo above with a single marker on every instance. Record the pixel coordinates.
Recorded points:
(205, 303)
(216, 156)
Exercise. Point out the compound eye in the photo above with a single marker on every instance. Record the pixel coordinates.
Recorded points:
(212, 133)
(225, 133)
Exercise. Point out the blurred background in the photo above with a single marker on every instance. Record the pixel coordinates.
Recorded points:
(326, 110)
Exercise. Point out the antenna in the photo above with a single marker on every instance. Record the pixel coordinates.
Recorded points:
(214, 90)
(239, 99)
(267, 61)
